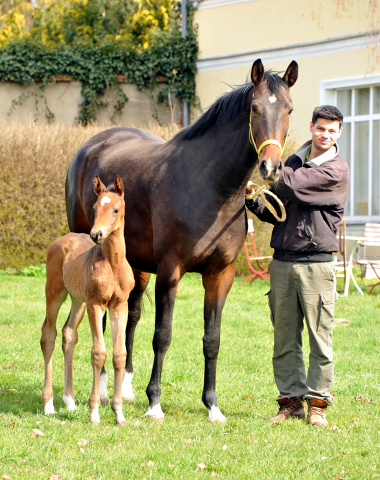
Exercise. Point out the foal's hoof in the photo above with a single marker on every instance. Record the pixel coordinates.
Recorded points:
(104, 400)
(121, 423)
(216, 416)
(49, 408)
(69, 402)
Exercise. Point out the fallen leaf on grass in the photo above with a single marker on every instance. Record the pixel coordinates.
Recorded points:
(150, 463)
(84, 442)
(337, 478)
(213, 474)
(224, 447)
(55, 476)
(171, 465)
(201, 466)
(189, 440)
(354, 424)
(6, 477)
(81, 450)
(334, 427)
(137, 423)
(36, 433)
(341, 321)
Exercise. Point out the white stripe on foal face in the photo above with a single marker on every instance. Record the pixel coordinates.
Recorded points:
(105, 200)
(272, 99)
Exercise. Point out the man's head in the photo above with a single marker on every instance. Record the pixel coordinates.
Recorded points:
(325, 128)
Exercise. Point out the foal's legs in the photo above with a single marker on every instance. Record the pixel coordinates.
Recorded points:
(55, 296)
(168, 277)
(134, 314)
(69, 340)
(216, 290)
(98, 356)
(118, 320)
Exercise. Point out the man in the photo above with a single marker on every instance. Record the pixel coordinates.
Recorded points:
(313, 187)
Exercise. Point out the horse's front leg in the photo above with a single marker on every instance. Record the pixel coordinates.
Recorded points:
(168, 277)
(98, 356)
(216, 290)
(134, 314)
(118, 319)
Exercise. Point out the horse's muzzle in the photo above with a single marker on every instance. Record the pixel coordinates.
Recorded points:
(96, 237)
(270, 170)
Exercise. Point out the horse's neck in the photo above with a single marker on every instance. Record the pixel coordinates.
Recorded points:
(113, 247)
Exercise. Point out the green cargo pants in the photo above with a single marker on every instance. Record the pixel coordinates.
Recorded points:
(298, 291)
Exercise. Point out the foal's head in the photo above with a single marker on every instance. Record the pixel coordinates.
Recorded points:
(270, 114)
(108, 209)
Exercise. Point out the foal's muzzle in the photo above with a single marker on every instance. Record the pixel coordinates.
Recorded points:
(96, 237)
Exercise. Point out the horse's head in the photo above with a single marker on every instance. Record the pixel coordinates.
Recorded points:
(108, 209)
(271, 107)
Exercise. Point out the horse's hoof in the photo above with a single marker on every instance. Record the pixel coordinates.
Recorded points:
(94, 419)
(122, 423)
(216, 416)
(104, 400)
(129, 398)
(155, 419)
(155, 414)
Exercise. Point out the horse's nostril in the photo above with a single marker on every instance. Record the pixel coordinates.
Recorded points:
(279, 166)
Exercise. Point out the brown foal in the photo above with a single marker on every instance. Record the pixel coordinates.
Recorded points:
(97, 276)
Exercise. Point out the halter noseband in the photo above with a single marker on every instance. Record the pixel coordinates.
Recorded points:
(266, 142)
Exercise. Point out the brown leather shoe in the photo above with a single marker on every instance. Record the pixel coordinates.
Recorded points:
(289, 408)
(317, 412)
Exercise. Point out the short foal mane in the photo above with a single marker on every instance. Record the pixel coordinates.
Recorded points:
(228, 106)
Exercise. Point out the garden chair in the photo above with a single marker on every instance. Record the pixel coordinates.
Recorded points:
(342, 265)
(372, 260)
(255, 262)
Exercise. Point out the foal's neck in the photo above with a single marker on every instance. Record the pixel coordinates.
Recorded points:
(113, 247)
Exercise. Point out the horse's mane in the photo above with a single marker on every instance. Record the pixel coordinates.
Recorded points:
(228, 106)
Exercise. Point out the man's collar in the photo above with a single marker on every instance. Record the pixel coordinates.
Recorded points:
(329, 155)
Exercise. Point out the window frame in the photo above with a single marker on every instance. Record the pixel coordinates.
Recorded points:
(328, 96)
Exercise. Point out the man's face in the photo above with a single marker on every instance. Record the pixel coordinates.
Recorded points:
(324, 133)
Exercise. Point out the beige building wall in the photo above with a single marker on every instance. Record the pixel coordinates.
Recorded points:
(60, 103)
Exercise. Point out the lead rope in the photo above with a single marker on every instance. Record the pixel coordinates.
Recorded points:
(262, 191)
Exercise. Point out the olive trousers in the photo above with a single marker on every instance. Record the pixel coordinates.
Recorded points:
(298, 291)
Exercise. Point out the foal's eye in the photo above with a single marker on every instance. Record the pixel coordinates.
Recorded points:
(290, 111)
(116, 210)
(254, 109)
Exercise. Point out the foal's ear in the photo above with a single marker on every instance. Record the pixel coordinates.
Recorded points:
(291, 74)
(257, 72)
(119, 186)
(98, 186)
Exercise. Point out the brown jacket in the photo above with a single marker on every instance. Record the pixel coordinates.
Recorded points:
(314, 197)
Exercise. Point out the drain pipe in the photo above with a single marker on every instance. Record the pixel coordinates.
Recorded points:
(185, 105)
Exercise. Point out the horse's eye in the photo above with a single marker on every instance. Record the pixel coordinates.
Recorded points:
(254, 108)
(290, 111)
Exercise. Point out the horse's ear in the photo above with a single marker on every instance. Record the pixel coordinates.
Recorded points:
(98, 186)
(119, 186)
(291, 74)
(257, 72)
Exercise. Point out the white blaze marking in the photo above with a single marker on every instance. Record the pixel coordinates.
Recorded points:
(126, 388)
(49, 407)
(155, 411)
(105, 200)
(272, 99)
(215, 415)
(69, 401)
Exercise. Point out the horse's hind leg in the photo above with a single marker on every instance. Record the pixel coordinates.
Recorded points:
(134, 314)
(216, 290)
(168, 277)
(69, 340)
(55, 296)
(118, 320)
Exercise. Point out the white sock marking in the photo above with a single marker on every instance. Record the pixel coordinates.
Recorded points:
(155, 411)
(69, 401)
(103, 385)
(126, 388)
(49, 407)
(215, 415)
(94, 416)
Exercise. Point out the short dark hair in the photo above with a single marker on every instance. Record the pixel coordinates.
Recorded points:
(329, 112)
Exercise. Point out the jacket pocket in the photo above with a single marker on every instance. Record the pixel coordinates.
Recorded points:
(270, 303)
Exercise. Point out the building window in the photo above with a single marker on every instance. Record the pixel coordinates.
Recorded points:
(359, 144)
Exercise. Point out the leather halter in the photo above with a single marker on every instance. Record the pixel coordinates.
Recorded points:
(266, 142)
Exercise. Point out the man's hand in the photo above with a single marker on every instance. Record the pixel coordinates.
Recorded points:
(249, 188)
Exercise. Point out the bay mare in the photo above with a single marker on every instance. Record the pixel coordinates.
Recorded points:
(184, 209)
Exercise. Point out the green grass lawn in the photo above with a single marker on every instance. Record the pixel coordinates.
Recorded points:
(187, 446)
